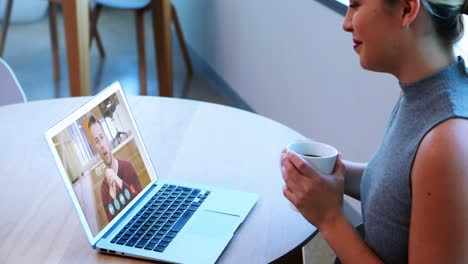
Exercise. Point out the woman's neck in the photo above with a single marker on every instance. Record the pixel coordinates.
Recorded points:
(423, 61)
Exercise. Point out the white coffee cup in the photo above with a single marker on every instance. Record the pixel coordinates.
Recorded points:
(321, 156)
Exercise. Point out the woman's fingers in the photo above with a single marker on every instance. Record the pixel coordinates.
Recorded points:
(339, 166)
(282, 155)
(303, 166)
(290, 175)
(289, 195)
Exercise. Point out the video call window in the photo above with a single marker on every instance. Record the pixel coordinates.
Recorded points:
(101, 158)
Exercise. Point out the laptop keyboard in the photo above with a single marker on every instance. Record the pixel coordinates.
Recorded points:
(162, 217)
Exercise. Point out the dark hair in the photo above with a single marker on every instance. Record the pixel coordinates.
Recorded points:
(92, 120)
(447, 18)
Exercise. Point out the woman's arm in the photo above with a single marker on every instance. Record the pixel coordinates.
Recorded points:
(347, 244)
(439, 213)
(319, 198)
(353, 176)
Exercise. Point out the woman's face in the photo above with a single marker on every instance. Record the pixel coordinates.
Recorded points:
(375, 31)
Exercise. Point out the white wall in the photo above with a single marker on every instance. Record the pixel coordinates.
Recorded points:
(292, 62)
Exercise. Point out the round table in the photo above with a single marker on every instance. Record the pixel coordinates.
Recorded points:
(190, 141)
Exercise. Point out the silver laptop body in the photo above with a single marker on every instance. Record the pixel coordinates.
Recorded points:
(111, 188)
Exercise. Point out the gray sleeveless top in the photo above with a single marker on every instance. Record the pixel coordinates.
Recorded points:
(386, 183)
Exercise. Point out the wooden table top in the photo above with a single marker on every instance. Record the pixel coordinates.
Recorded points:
(190, 141)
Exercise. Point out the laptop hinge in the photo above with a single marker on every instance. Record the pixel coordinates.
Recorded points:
(129, 211)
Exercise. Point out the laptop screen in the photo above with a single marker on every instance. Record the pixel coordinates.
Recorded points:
(99, 150)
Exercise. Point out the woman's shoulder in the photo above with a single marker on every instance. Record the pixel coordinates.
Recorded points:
(447, 131)
(443, 149)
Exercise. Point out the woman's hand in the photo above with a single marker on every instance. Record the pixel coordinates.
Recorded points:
(318, 197)
(285, 150)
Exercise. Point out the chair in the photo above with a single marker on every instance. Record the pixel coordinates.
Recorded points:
(140, 7)
(94, 33)
(5, 24)
(10, 90)
(53, 34)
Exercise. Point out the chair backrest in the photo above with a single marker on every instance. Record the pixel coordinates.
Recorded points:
(10, 90)
(126, 4)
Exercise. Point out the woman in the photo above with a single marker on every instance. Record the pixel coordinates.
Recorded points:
(414, 191)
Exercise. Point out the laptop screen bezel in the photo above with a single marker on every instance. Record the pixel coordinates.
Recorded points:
(67, 121)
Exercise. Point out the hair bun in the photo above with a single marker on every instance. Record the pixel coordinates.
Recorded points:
(465, 8)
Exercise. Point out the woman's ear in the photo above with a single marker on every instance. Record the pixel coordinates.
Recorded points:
(410, 11)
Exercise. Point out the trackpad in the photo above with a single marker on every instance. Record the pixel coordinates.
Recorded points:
(214, 224)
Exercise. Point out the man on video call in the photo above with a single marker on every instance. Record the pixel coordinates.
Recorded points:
(120, 184)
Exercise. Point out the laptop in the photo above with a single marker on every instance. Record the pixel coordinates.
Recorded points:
(123, 206)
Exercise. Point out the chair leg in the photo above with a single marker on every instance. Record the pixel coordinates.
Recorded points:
(139, 22)
(6, 23)
(54, 40)
(94, 15)
(180, 36)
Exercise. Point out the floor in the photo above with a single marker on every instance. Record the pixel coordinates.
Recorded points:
(28, 53)
(32, 62)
